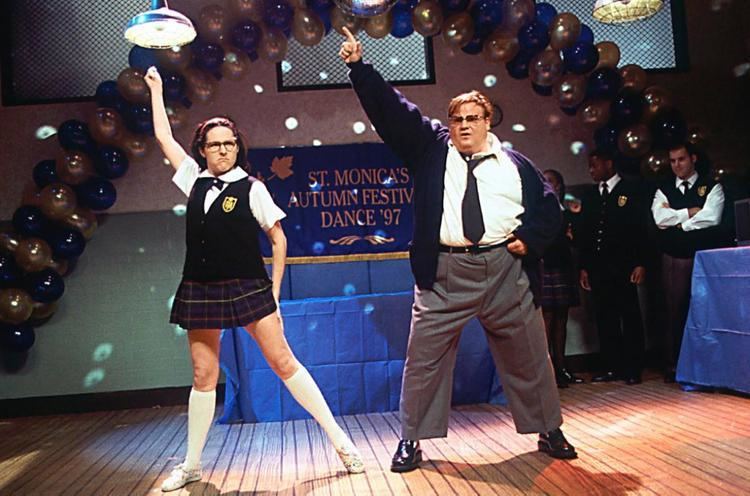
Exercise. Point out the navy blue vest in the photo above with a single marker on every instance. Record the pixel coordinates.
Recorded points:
(222, 243)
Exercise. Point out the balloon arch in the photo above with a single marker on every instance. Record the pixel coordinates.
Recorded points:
(558, 54)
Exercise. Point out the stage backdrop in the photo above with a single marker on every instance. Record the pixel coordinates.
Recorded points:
(345, 202)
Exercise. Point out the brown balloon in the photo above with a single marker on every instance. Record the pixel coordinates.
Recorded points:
(73, 167)
(633, 77)
(458, 30)
(60, 266)
(175, 59)
(9, 241)
(546, 68)
(339, 20)
(247, 9)
(177, 116)
(307, 28)
(31, 194)
(379, 26)
(657, 99)
(106, 126)
(570, 90)
(609, 54)
(427, 18)
(57, 201)
(132, 87)
(201, 86)
(516, 13)
(634, 141)
(212, 23)
(135, 146)
(564, 30)
(655, 164)
(83, 220)
(15, 306)
(595, 113)
(500, 46)
(235, 66)
(698, 136)
(33, 254)
(273, 45)
(42, 311)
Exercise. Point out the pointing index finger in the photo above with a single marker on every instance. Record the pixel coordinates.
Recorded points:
(349, 36)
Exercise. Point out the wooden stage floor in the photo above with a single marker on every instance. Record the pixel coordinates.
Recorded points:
(647, 439)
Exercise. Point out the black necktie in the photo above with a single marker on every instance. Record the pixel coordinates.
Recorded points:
(605, 191)
(685, 186)
(471, 210)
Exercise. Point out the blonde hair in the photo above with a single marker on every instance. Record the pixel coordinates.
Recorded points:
(472, 96)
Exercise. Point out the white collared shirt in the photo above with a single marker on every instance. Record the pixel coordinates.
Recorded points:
(611, 183)
(708, 216)
(262, 206)
(499, 187)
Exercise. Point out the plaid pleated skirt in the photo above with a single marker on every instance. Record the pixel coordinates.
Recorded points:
(559, 289)
(222, 304)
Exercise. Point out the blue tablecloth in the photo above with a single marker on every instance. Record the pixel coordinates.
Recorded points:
(716, 344)
(354, 347)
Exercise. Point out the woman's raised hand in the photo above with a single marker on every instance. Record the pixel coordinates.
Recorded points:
(153, 79)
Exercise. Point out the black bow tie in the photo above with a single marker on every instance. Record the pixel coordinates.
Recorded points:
(217, 183)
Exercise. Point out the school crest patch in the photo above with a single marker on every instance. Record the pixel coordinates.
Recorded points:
(229, 203)
(702, 190)
(622, 200)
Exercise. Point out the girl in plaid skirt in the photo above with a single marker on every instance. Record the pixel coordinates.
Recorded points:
(224, 282)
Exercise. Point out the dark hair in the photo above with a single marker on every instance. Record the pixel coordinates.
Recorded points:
(602, 155)
(560, 181)
(199, 141)
(472, 96)
(689, 148)
(702, 162)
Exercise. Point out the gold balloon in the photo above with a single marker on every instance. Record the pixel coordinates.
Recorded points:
(60, 266)
(177, 117)
(201, 86)
(33, 254)
(83, 220)
(571, 90)
(132, 87)
(235, 66)
(698, 136)
(57, 201)
(15, 306)
(634, 141)
(564, 30)
(31, 195)
(135, 146)
(427, 18)
(9, 241)
(307, 28)
(247, 9)
(339, 20)
(175, 59)
(41, 311)
(501, 46)
(212, 22)
(546, 68)
(609, 54)
(633, 77)
(657, 99)
(595, 113)
(655, 164)
(273, 45)
(458, 30)
(380, 26)
(516, 13)
(73, 167)
(106, 126)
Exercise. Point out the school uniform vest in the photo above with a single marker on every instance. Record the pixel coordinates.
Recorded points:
(683, 244)
(222, 243)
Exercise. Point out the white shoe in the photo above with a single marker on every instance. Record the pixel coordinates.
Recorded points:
(351, 458)
(180, 477)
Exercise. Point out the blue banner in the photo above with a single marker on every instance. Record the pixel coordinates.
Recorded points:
(350, 201)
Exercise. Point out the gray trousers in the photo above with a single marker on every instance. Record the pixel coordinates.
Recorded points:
(493, 287)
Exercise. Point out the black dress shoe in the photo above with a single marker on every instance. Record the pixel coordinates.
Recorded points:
(633, 380)
(555, 445)
(407, 456)
(560, 379)
(605, 377)
(570, 378)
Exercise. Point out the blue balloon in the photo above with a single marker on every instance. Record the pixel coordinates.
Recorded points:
(668, 128)
(67, 243)
(487, 15)
(604, 83)
(74, 135)
(208, 56)
(533, 36)
(174, 88)
(278, 14)
(627, 108)
(97, 194)
(325, 16)
(19, 338)
(454, 5)
(402, 26)
(409, 3)
(30, 221)
(581, 57)
(545, 13)
(587, 35)
(45, 173)
(571, 111)
(606, 138)
(475, 45)
(139, 120)
(9, 271)
(111, 162)
(518, 67)
(320, 4)
(246, 36)
(45, 286)
(142, 58)
(541, 90)
(107, 94)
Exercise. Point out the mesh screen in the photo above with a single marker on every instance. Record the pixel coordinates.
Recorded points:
(649, 42)
(398, 60)
(65, 48)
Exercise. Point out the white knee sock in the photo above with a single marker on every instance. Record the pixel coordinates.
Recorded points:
(200, 416)
(306, 392)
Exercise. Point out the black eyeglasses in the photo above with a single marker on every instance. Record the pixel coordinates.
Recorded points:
(215, 146)
(471, 120)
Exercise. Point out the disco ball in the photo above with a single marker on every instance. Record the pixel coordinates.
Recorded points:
(365, 8)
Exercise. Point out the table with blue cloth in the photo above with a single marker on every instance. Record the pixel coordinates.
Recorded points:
(354, 347)
(716, 345)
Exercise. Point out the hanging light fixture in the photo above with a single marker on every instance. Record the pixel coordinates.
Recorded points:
(618, 11)
(160, 27)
